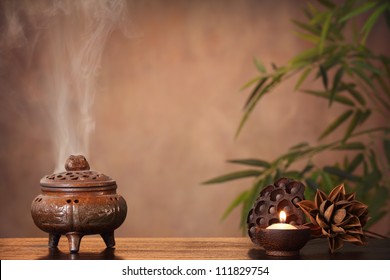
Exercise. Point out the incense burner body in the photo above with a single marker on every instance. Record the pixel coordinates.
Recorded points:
(76, 203)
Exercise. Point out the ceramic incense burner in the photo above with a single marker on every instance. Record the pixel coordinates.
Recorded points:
(78, 202)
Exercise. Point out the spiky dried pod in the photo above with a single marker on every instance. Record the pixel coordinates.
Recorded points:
(339, 217)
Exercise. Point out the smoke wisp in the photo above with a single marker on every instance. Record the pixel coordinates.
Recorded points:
(67, 38)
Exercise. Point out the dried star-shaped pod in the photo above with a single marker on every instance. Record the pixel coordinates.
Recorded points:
(338, 216)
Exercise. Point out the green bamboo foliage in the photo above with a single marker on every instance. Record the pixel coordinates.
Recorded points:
(353, 76)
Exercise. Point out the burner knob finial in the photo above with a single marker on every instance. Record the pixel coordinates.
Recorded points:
(76, 163)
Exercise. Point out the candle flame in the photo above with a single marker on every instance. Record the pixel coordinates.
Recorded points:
(282, 216)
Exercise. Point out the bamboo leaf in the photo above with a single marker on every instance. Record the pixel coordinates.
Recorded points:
(363, 76)
(387, 17)
(258, 186)
(341, 173)
(367, 66)
(324, 76)
(327, 3)
(320, 148)
(260, 66)
(345, 162)
(312, 10)
(251, 162)
(294, 155)
(382, 83)
(312, 184)
(307, 13)
(383, 102)
(303, 77)
(276, 80)
(291, 174)
(319, 18)
(353, 124)
(251, 82)
(327, 182)
(306, 55)
(338, 98)
(358, 159)
(385, 60)
(386, 147)
(233, 176)
(244, 215)
(351, 146)
(248, 203)
(359, 10)
(373, 177)
(334, 59)
(311, 55)
(255, 91)
(336, 82)
(235, 203)
(307, 168)
(308, 37)
(307, 27)
(278, 174)
(379, 199)
(356, 95)
(372, 20)
(364, 116)
(324, 32)
(341, 119)
(299, 146)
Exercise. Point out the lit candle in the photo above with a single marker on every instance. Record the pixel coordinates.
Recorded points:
(282, 224)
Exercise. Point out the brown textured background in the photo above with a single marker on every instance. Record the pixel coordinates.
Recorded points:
(166, 111)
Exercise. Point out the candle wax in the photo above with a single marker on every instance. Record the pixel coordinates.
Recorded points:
(281, 226)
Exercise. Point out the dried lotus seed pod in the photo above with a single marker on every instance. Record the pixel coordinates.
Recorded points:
(284, 195)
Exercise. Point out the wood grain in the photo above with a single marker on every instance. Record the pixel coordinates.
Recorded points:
(128, 248)
(93, 248)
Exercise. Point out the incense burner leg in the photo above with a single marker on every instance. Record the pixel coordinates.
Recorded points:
(74, 239)
(53, 240)
(109, 239)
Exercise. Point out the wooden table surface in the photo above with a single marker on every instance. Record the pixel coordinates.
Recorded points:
(92, 248)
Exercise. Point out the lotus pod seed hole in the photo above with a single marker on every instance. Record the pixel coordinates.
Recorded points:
(295, 201)
(260, 221)
(272, 210)
(260, 207)
(267, 190)
(291, 219)
(276, 195)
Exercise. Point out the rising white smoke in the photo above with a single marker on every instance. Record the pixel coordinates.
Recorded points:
(74, 35)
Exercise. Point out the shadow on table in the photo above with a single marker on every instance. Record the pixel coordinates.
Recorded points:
(259, 254)
(376, 249)
(56, 254)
